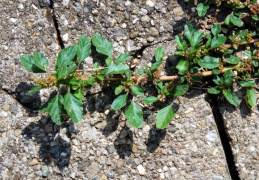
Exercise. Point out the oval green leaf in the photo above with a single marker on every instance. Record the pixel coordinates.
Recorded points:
(122, 58)
(55, 107)
(251, 96)
(37, 88)
(83, 48)
(117, 68)
(231, 97)
(119, 102)
(149, 100)
(136, 90)
(182, 67)
(202, 9)
(209, 62)
(164, 116)
(102, 45)
(180, 90)
(247, 83)
(74, 107)
(135, 115)
(159, 54)
(65, 57)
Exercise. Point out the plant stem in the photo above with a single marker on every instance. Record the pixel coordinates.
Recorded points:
(90, 69)
(210, 73)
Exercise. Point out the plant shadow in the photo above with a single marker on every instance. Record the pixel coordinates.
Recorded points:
(154, 138)
(32, 102)
(53, 147)
(124, 142)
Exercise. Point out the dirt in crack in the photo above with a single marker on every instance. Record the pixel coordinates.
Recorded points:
(224, 137)
(59, 39)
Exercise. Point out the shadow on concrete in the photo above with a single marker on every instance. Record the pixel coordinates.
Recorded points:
(32, 101)
(154, 138)
(53, 147)
(124, 142)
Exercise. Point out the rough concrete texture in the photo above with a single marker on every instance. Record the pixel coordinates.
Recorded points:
(129, 25)
(242, 126)
(102, 146)
(26, 27)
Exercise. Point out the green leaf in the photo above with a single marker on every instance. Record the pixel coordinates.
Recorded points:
(44, 107)
(156, 65)
(164, 116)
(182, 79)
(136, 90)
(74, 107)
(216, 29)
(231, 97)
(208, 43)
(135, 115)
(75, 82)
(119, 102)
(102, 45)
(159, 54)
(209, 62)
(149, 100)
(233, 59)
(128, 75)
(251, 96)
(196, 39)
(40, 61)
(218, 41)
(214, 90)
(181, 44)
(194, 70)
(100, 77)
(182, 67)
(189, 31)
(79, 94)
(215, 71)
(179, 53)
(118, 89)
(117, 68)
(202, 9)
(55, 107)
(28, 63)
(227, 20)
(64, 71)
(123, 57)
(108, 61)
(83, 48)
(96, 65)
(236, 21)
(217, 80)
(180, 90)
(196, 79)
(65, 57)
(37, 88)
(249, 83)
(228, 77)
(90, 81)
(255, 17)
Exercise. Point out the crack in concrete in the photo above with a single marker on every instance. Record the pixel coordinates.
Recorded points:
(12, 95)
(224, 137)
(50, 4)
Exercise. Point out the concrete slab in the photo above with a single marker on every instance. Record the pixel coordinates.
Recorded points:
(26, 27)
(242, 127)
(129, 25)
